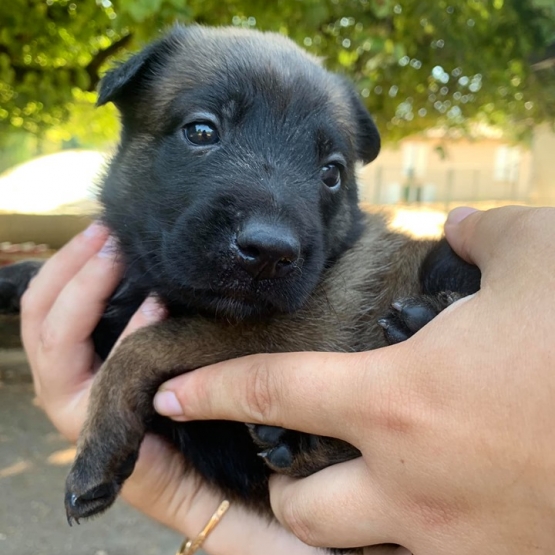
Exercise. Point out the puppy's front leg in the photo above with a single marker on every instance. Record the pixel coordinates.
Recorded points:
(121, 410)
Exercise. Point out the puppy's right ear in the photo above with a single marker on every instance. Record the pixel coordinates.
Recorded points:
(368, 136)
(127, 79)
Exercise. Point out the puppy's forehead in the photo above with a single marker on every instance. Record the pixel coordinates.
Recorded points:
(243, 60)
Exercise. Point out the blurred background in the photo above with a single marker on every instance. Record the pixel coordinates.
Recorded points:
(463, 92)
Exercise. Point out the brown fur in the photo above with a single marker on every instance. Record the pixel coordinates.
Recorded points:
(341, 315)
(178, 208)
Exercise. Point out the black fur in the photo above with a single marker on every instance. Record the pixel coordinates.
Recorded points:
(187, 204)
(179, 210)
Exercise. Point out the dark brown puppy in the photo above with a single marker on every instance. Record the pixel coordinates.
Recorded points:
(233, 198)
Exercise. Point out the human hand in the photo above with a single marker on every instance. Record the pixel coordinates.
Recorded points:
(59, 312)
(455, 425)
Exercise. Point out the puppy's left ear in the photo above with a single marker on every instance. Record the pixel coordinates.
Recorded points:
(125, 80)
(368, 137)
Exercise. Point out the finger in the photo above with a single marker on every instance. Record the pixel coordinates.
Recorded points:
(63, 341)
(186, 503)
(78, 377)
(300, 391)
(150, 312)
(478, 236)
(387, 549)
(303, 507)
(52, 278)
(60, 268)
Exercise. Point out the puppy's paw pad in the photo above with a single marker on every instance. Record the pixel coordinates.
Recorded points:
(266, 436)
(394, 332)
(278, 458)
(409, 315)
(414, 313)
(281, 448)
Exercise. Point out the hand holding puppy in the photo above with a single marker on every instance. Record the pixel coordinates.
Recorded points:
(59, 312)
(455, 425)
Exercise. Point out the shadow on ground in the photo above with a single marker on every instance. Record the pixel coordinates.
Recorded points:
(34, 460)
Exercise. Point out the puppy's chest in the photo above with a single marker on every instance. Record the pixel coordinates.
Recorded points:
(343, 312)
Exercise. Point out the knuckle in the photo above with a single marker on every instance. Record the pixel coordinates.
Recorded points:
(28, 301)
(298, 522)
(387, 402)
(261, 390)
(49, 338)
(196, 398)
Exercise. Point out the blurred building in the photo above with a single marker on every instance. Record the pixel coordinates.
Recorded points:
(436, 169)
(543, 169)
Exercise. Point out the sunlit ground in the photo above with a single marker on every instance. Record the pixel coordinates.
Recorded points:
(58, 182)
(426, 221)
(421, 223)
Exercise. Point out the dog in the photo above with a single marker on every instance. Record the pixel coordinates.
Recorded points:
(233, 199)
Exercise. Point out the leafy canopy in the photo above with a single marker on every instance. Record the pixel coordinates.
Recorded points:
(417, 63)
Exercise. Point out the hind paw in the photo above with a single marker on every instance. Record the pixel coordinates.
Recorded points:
(95, 480)
(14, 280)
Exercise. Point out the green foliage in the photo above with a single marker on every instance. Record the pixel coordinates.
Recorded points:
(417, 63)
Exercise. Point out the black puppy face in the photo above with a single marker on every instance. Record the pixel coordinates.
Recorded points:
(234, 183)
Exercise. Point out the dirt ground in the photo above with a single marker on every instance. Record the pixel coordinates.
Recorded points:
(34, 460)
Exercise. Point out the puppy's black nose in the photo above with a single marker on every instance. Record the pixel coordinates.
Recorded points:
(267, 251)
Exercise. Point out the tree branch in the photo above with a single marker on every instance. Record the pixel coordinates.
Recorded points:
(92, 68)
(94, 65)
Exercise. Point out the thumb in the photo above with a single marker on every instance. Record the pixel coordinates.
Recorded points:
(478, 237)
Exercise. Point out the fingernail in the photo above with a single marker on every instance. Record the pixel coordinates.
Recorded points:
(96, 229)
(109, 249)
(457, 215)
(153, 310)
(166, 404)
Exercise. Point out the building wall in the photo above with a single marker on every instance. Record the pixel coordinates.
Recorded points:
(543, 173)
(431, 170)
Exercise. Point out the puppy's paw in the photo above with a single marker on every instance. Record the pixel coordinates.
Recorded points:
(14, 280)
(95, 480)
(297, 454)
(278, 446)
(410, 314)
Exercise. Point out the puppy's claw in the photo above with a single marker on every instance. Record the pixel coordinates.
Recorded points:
(91, 502)
(71, 520)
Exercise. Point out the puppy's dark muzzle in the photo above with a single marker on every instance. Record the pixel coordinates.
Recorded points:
(267, 251)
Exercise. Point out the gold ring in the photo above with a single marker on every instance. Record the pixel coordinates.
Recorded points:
(188, 547)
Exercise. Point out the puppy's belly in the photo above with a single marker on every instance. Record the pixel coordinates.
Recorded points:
(224, 454)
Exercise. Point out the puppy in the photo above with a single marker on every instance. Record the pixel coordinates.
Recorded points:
(233, 199)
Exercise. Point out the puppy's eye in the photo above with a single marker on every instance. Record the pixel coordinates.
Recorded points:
(331, 176)
(201, 133)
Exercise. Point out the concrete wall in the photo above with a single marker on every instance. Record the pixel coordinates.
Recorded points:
(54, 230)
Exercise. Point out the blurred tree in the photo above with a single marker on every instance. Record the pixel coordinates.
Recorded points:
(417, 63)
